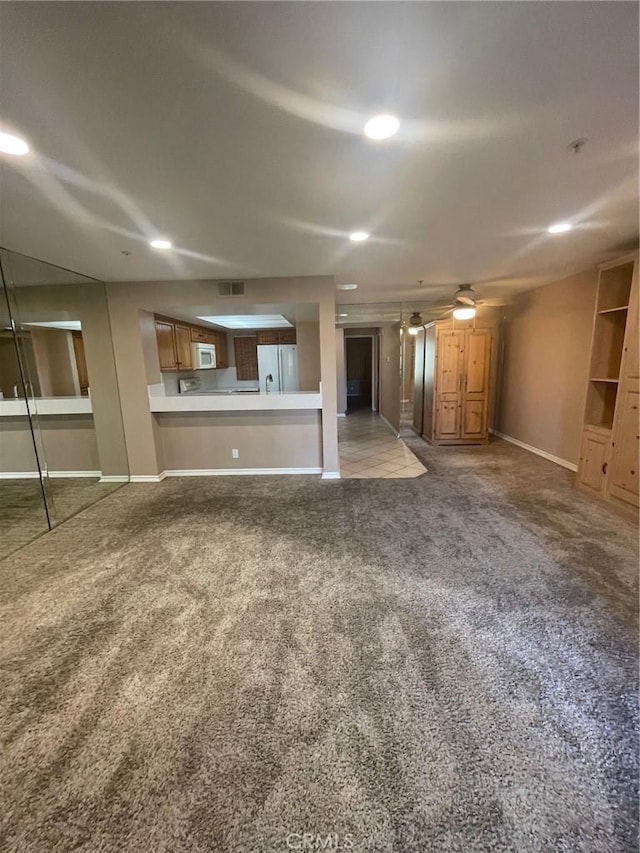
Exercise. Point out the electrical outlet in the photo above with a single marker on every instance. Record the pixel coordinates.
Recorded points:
(235, 453)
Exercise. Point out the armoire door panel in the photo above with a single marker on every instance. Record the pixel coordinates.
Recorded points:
(447, 420)
(476, 361)
(474, 414)
(623, 475)
(449, 363)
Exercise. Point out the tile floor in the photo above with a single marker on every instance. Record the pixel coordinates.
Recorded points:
(368, 449)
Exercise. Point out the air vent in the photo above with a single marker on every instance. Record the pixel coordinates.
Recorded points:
(231, 288)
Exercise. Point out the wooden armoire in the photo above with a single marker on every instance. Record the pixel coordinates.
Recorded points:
(452, 382)
(609, 455)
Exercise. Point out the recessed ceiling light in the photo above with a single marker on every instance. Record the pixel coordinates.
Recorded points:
(160, 244)
(560, 228)
(10, 144)
(249, 321)
(358, 236)
(381, 127)
(343, 315)
(347, 287)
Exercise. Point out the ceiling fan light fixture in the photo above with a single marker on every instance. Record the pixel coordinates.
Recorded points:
(10, 144)
(416, 319)
(381, 127)
(464, 312)
(559, 228)
(413, 330)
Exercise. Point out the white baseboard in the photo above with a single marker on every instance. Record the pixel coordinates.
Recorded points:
(147, 478)
(75, 474)
(391, 426)
(54, 475)
(563, 462)
(331, 475)
(237, 472)
(114, 478)
(19, 475)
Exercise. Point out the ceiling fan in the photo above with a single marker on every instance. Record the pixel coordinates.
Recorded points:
(465, 303)
(464, 306)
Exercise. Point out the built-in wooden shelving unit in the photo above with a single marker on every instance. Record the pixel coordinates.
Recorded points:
(609, 457)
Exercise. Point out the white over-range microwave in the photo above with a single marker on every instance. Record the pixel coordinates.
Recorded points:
(204, 356)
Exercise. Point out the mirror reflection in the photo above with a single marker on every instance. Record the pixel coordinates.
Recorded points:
(61, 437)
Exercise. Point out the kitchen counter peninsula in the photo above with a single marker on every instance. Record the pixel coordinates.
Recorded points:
(233, 401)
(238, 432)
(16, 406)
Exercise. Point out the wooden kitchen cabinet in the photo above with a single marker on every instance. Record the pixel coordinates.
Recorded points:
(166, 345)
(174, 345)
(455, 386)
(222, 355)
(202, 336)
(175, 337)
(609, 458)
(81, 362)
(287, 336)
(276, 336)
(182, 336)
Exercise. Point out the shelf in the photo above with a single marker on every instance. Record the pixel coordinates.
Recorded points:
(608, 342)
(601, 379)
(601, 402)
(605, 429)
(612, 310)
(614, 286)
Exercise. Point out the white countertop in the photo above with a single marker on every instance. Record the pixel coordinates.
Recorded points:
(249, 401)
(46, 406)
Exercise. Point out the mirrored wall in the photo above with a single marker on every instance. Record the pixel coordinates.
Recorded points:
(61, 437)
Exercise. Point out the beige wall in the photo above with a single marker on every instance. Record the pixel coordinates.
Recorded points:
(263, 439)
(55, 362)
(131, 306)
(390, 374)
(308, 351)
(10, 376)
(66, 442)
(547, 338)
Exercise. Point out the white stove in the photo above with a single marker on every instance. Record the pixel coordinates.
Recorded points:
(194, 386)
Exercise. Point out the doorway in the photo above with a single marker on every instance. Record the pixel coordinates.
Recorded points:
(359, 364)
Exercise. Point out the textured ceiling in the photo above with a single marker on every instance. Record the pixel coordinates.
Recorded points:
(235, 130)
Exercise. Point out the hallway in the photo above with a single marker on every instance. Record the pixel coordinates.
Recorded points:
(369, 450)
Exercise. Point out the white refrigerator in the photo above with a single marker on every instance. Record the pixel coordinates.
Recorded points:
(280, 362)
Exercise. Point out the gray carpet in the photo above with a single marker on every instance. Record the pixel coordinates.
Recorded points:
(439, 664)
(22, 513)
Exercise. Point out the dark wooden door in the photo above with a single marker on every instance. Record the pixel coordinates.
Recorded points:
(358, 372)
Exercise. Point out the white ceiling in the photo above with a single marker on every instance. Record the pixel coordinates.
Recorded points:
(235, 130)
